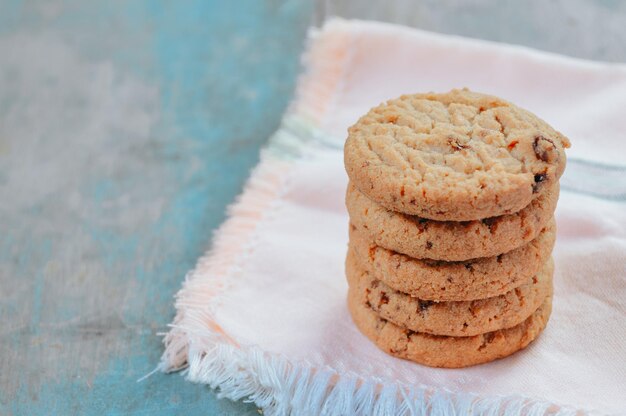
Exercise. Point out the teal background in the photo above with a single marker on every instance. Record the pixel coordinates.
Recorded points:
(95, 243)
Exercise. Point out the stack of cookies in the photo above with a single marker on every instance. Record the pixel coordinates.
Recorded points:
(451, 201)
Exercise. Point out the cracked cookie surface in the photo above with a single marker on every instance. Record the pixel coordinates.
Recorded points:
(450, 240)
(460, 318)
(453, 281)
(456, 156)
(445, 351)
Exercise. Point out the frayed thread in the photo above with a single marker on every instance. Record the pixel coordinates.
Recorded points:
(280, 387)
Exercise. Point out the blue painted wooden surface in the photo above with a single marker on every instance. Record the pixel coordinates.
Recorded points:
(125, 130)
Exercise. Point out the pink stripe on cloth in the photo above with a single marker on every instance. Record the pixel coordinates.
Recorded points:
(263, 315)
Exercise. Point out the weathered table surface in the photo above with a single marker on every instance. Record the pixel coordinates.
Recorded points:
(125, 130)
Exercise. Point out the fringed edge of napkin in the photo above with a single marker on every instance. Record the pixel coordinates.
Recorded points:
(197, 344)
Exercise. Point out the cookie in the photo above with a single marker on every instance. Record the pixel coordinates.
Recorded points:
(456, 156)
(450, 240)
(445, 351)
(463, 318)
(453, 281)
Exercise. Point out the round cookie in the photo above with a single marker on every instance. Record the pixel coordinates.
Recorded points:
(453, 281)
(444, 351)
(462, 318)
(450, 240)
(456, 156)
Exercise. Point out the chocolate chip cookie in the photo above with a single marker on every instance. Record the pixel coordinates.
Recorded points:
(456, 156)
(450, 240)
(446, 351)
(453, 281)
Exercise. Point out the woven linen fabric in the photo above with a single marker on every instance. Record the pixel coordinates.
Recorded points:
(263, 316)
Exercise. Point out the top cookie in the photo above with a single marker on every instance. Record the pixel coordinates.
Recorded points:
(457, 156)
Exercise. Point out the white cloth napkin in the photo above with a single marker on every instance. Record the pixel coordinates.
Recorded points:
(264, 314)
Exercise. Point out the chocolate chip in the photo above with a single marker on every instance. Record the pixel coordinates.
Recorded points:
(492, 223)
(539, 178)
(429, 245)
(545, 149)
(469, 267)
(424, 304)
